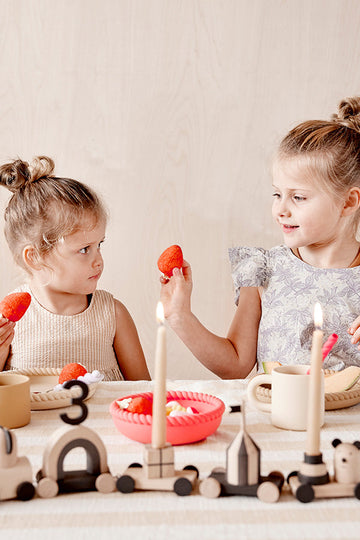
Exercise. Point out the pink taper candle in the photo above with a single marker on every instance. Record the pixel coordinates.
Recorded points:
(158, 431)
(313, 423)
(328, 345)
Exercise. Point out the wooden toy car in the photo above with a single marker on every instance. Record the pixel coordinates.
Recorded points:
(158, 473)
(242, 474)
(52, 478)
(15, 472)
(345, 482)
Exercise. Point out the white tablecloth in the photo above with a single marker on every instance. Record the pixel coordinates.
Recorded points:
(166, 516)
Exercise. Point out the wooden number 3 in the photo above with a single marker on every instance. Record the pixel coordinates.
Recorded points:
(77, 401)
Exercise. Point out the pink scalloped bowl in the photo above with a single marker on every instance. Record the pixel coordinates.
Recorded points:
(179, 429)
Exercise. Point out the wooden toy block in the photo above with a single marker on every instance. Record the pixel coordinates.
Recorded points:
(15, 472)
(159, 462)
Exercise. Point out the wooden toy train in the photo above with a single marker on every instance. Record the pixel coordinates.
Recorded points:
(241, 476)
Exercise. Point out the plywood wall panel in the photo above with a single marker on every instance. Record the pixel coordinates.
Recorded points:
(171, 109)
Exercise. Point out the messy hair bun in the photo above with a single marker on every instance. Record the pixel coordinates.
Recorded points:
(16, 174)
(349, 113)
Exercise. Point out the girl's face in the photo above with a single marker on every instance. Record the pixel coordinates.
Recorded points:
(306, 213)
(76, 262)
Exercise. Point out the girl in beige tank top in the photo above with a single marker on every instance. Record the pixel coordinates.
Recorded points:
(55, 227)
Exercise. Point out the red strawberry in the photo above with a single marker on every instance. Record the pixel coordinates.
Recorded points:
(14, 305)
(71, 371)
(171, 258)
(140, 405)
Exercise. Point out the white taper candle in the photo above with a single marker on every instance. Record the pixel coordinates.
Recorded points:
(158, 432)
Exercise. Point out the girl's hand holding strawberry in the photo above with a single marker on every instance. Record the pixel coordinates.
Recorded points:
(175, 294)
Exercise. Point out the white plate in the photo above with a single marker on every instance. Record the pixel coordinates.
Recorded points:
(42, 395)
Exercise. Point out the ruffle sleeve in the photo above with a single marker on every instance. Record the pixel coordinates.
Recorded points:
(249, 268)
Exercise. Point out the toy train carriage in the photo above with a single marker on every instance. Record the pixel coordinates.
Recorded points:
(15, 472)
(242, 474)
(53, 479)
(346, 480)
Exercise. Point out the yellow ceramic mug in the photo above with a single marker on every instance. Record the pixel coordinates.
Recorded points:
(14, 400)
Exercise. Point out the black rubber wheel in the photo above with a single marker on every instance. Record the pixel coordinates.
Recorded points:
(293, 473)
(25, 491)
(277, 476)
(135, 466)
(183, 487)
(357, 491)
(305, 493)
(125, 484)
(191, 468)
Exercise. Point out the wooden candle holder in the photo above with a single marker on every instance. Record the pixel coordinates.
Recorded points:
(313, 481)
(158, 473)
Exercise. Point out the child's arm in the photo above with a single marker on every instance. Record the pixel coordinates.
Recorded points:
(230, 357)
(127, 346)
(6, 337)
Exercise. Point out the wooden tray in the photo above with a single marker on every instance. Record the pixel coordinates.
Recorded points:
(42, 395)
(333, 400)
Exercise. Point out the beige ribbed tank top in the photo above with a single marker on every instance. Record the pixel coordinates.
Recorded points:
(45, 339)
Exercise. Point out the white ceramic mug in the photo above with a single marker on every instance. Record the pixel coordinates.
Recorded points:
(14, 400)
(289, 396)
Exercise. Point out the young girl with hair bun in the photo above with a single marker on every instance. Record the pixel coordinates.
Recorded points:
(316, 201)
(55, 227)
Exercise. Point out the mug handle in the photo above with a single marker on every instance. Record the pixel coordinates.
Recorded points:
(251, 391)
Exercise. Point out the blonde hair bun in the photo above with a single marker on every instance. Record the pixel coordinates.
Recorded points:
(349, 113)
(16, 174)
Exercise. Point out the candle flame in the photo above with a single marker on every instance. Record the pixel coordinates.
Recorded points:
(160, 313)
(318, 315)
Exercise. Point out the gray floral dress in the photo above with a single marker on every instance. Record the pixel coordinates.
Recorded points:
(290, 289)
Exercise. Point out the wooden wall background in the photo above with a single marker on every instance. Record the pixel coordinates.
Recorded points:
(171, 109)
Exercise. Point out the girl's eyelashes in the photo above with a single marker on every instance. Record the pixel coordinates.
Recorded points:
(85, 249)
(296, 198)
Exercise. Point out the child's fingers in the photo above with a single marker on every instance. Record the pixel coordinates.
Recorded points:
(186, 270)
(355, 336)
(354, 326)
(6, 332)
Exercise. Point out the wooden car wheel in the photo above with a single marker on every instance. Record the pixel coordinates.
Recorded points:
(25, 491)
(268, 492)
(105, 483)
(191, 468)
(183, 487)
(47, 488)
(305, 493)
(125, 484)
(210, 487)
